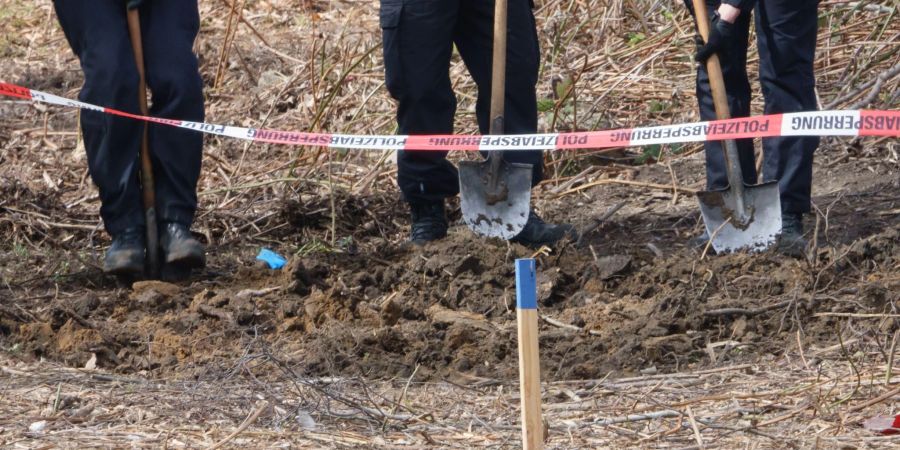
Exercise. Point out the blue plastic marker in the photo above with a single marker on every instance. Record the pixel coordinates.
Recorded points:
(529, 356)
(274, 260)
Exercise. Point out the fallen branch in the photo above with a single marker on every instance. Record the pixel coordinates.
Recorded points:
(247, 422)
(745, 312)
(856, 315)
(875, 86)
(879, 83)
(567, 326)
(876, 400)
(640, 417)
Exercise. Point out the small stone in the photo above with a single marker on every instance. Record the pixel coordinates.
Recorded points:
(166, 289)
(611, 266)
(548, 281)
(91, 363)
(305, 421)
(37, 427)
(739, 328)
(446, 317)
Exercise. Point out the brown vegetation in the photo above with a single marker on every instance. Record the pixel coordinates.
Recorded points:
(364, 341)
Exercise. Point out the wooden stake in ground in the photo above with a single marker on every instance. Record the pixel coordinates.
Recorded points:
(529, 361)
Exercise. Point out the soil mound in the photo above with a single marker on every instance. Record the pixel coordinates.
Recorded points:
(448, 308)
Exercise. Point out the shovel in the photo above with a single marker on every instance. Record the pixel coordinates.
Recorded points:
(147, 186)
(740, 216)
(495, 195)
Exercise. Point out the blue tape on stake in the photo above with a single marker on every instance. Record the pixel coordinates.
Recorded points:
(526, 284)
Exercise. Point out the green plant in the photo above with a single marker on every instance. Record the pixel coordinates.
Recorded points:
(657, 106)
(635, 38)
(61, 272)
(314, 246)
(649, 153)
(545, 105)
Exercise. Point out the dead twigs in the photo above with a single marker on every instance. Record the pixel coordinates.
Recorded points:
(746, 312)
(567, 326)
(244, 425)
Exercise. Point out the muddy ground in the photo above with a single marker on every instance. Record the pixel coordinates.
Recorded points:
(631, 297)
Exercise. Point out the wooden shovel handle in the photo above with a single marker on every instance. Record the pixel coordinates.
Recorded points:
(713, 66)
(148, 189)
(498, 79)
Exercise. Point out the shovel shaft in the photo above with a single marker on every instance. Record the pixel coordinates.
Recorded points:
(495, 195)
(498, 78)
(498, 98)
(723, 112)
(148, 190)
(735, 179)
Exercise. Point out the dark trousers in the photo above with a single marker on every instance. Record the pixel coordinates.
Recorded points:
(419, 38)
(97, 31)
(786, 39)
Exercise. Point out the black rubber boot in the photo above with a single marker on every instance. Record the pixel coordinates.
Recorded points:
(429, 222)
(179, 248)
(125, 256)
(791, 242)
(537, 232)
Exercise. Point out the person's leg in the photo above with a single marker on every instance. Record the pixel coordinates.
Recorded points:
(417, 38)
(734, 70)
(98, 34)
(169, 28)
(474, 37)
(786, 36)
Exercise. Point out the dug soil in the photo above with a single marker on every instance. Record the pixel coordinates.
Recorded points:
(633, 296)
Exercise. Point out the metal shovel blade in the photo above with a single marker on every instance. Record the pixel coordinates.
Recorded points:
(495, 212)
(755, 230)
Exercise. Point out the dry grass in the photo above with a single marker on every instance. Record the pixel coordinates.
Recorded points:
(315, 65)
(811, 398)
(307, 65)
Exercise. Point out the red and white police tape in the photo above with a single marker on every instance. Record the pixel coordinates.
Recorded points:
(815, 123)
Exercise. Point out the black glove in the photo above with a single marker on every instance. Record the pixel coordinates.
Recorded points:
(720, 35)
(132, 4)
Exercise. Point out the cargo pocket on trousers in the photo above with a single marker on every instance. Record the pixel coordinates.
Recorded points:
(389, 14)
(389, 18)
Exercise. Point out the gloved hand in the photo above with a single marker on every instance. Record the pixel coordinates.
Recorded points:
(132, 4)
(720, 35)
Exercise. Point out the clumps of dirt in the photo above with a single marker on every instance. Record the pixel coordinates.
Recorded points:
(44, 79)
(356, 215)
(882, 249)
(14, 192)
(24, 213)
(448, 308)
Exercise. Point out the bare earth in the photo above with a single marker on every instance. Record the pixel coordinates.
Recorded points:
(365, 341)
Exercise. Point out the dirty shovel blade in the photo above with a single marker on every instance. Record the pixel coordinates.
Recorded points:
(756, 231)
(500, 212)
